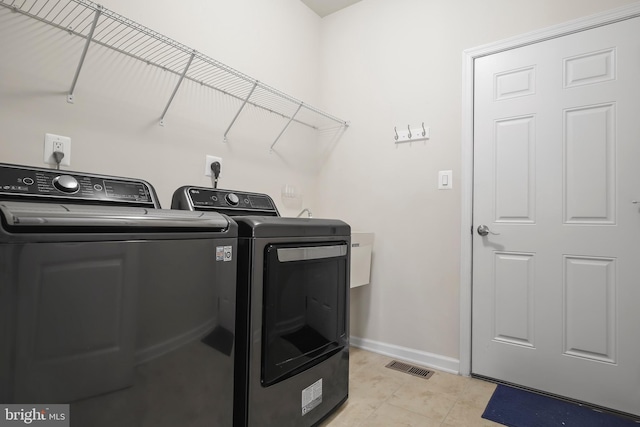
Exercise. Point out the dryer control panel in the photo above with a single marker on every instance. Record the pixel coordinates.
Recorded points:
(228, 202)
(27, 183)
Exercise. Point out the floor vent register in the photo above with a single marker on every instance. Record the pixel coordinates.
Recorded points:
(410, 369)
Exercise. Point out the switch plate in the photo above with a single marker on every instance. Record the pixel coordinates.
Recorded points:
(207, 164)
(57, 143)
(445, 180)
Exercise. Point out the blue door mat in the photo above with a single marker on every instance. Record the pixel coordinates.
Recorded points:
(519, 408)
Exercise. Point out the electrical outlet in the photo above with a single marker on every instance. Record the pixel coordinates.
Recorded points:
(54, 143)
(207, 164)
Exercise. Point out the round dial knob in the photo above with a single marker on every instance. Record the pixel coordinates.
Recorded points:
(66, 183)
(232, 199)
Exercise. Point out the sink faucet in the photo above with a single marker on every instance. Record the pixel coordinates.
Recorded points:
(303, 211)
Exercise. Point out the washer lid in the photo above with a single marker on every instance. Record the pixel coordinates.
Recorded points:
(24, 216)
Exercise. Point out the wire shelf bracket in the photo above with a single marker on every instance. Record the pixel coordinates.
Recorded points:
(175, 90)
(285, 127)
(224, 139)
(101, 26)
(84, 53)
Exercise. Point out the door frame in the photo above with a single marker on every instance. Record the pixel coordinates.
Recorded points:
(466, 172)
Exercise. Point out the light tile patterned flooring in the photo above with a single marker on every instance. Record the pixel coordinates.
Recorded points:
(382, 397)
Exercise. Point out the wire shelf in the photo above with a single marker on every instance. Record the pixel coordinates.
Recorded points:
(97, 24)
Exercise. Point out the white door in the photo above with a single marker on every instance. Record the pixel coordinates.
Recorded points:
(556, 294)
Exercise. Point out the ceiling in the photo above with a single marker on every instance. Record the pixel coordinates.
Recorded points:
(326, 7)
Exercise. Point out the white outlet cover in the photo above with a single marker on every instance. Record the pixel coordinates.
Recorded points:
(207, 164)
(49, 140)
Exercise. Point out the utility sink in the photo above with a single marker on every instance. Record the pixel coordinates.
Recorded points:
(361, 249)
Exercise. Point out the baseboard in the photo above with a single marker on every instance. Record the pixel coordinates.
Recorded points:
(423, 358)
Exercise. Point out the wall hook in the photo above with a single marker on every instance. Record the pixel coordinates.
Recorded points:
(409, 134)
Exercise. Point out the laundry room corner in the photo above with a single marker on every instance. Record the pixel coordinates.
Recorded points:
(389, 67)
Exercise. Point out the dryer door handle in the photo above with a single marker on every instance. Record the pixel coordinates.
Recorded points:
(312, 252)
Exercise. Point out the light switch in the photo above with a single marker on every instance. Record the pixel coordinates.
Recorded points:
(445, 180)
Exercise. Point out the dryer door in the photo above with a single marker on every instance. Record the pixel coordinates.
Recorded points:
(304, 316)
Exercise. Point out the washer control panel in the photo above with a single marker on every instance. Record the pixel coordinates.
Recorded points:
(23, 183)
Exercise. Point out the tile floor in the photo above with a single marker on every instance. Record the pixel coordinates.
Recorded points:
(382, 397)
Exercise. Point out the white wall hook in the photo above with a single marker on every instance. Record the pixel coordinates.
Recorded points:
(415, 134)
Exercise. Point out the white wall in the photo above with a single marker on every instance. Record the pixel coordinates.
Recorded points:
(113, 123)
(387, 64)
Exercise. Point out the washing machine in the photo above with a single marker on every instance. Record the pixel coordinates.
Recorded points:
(292, 322)
(113, 312)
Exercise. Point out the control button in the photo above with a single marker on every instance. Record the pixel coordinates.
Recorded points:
(246, 201)
(27, 181)
(232, 199)
(66, 184)
(97, 187)
(214, 198)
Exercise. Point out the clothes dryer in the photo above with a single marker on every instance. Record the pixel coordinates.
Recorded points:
(292, 336)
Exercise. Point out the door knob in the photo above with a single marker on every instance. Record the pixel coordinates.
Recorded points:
(483, 230)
